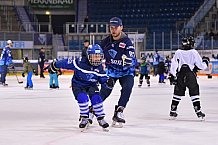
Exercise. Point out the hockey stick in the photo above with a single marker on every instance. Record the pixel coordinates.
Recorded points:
(19, 82)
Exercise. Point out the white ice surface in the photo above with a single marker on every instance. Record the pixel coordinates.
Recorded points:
(50, 117)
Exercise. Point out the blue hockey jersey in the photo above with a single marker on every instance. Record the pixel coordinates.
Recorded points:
(113, 52)
(6, 57)
(84, 73)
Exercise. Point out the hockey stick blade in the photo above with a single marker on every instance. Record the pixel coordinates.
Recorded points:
(21, 82)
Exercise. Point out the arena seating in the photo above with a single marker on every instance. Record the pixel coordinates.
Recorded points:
(148, 15)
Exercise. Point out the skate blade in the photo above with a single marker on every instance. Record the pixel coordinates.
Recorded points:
(85, 128)
(202, 119)
(172, 118)
(117, 124)
(105, 129)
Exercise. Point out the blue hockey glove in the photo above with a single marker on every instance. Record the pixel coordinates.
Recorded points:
(173, 79)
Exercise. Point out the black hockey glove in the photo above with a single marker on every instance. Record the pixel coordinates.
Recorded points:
(11, 66)
(23, 74)
(110, 83)
(173, 79)
(59, 72)
(34, 71)
(195, 70)
(206, 60)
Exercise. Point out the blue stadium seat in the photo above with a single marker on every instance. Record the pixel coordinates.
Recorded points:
(157, 15)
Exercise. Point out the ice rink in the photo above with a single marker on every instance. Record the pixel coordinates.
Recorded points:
(50, 117)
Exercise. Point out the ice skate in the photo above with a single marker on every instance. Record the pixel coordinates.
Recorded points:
(118, 118)
(148, 83)
(4, 84)
(139, 85)
(103, 124)
(201, 115)
(84, 124)
(173, 115)
(28, 88)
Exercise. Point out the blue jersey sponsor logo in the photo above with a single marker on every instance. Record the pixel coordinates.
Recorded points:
(117, 62)
(112, 53)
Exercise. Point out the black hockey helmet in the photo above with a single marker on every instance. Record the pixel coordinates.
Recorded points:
(188, 42)
(25, 59)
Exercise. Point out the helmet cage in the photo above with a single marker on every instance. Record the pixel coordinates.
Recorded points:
(96, 59)
(95, 55)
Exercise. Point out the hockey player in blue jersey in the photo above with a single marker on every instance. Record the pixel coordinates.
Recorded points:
(120, 65)
(5, 61)
(88, 71)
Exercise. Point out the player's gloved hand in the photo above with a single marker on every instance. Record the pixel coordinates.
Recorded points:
(196, 69)
(110, 83)
(59, 72)
(127, 61)
(12, 67)
(23, 74)
(34, 71)
(206, 60)
(173, 79)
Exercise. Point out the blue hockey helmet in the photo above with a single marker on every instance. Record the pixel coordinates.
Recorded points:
(95, 54)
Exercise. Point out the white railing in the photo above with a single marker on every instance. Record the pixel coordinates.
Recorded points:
(199, 15)
(90, 27)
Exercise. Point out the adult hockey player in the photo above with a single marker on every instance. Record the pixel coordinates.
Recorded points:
(182, 75)
(5, 61)
(120, 65)
(88, 72)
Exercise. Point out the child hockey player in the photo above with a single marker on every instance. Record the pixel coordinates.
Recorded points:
(88, 72)
(53, 74)
(182, 76)
(144, 71)
(161, 70)
(28, 68)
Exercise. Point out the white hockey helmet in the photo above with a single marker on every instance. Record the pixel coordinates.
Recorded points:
(9, 42)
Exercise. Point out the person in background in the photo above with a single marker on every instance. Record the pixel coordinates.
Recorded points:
(41, 61)
(53, 74)
(156, 58)
(5, 61)
(144, 71)
(85, 46)
(161, 70)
